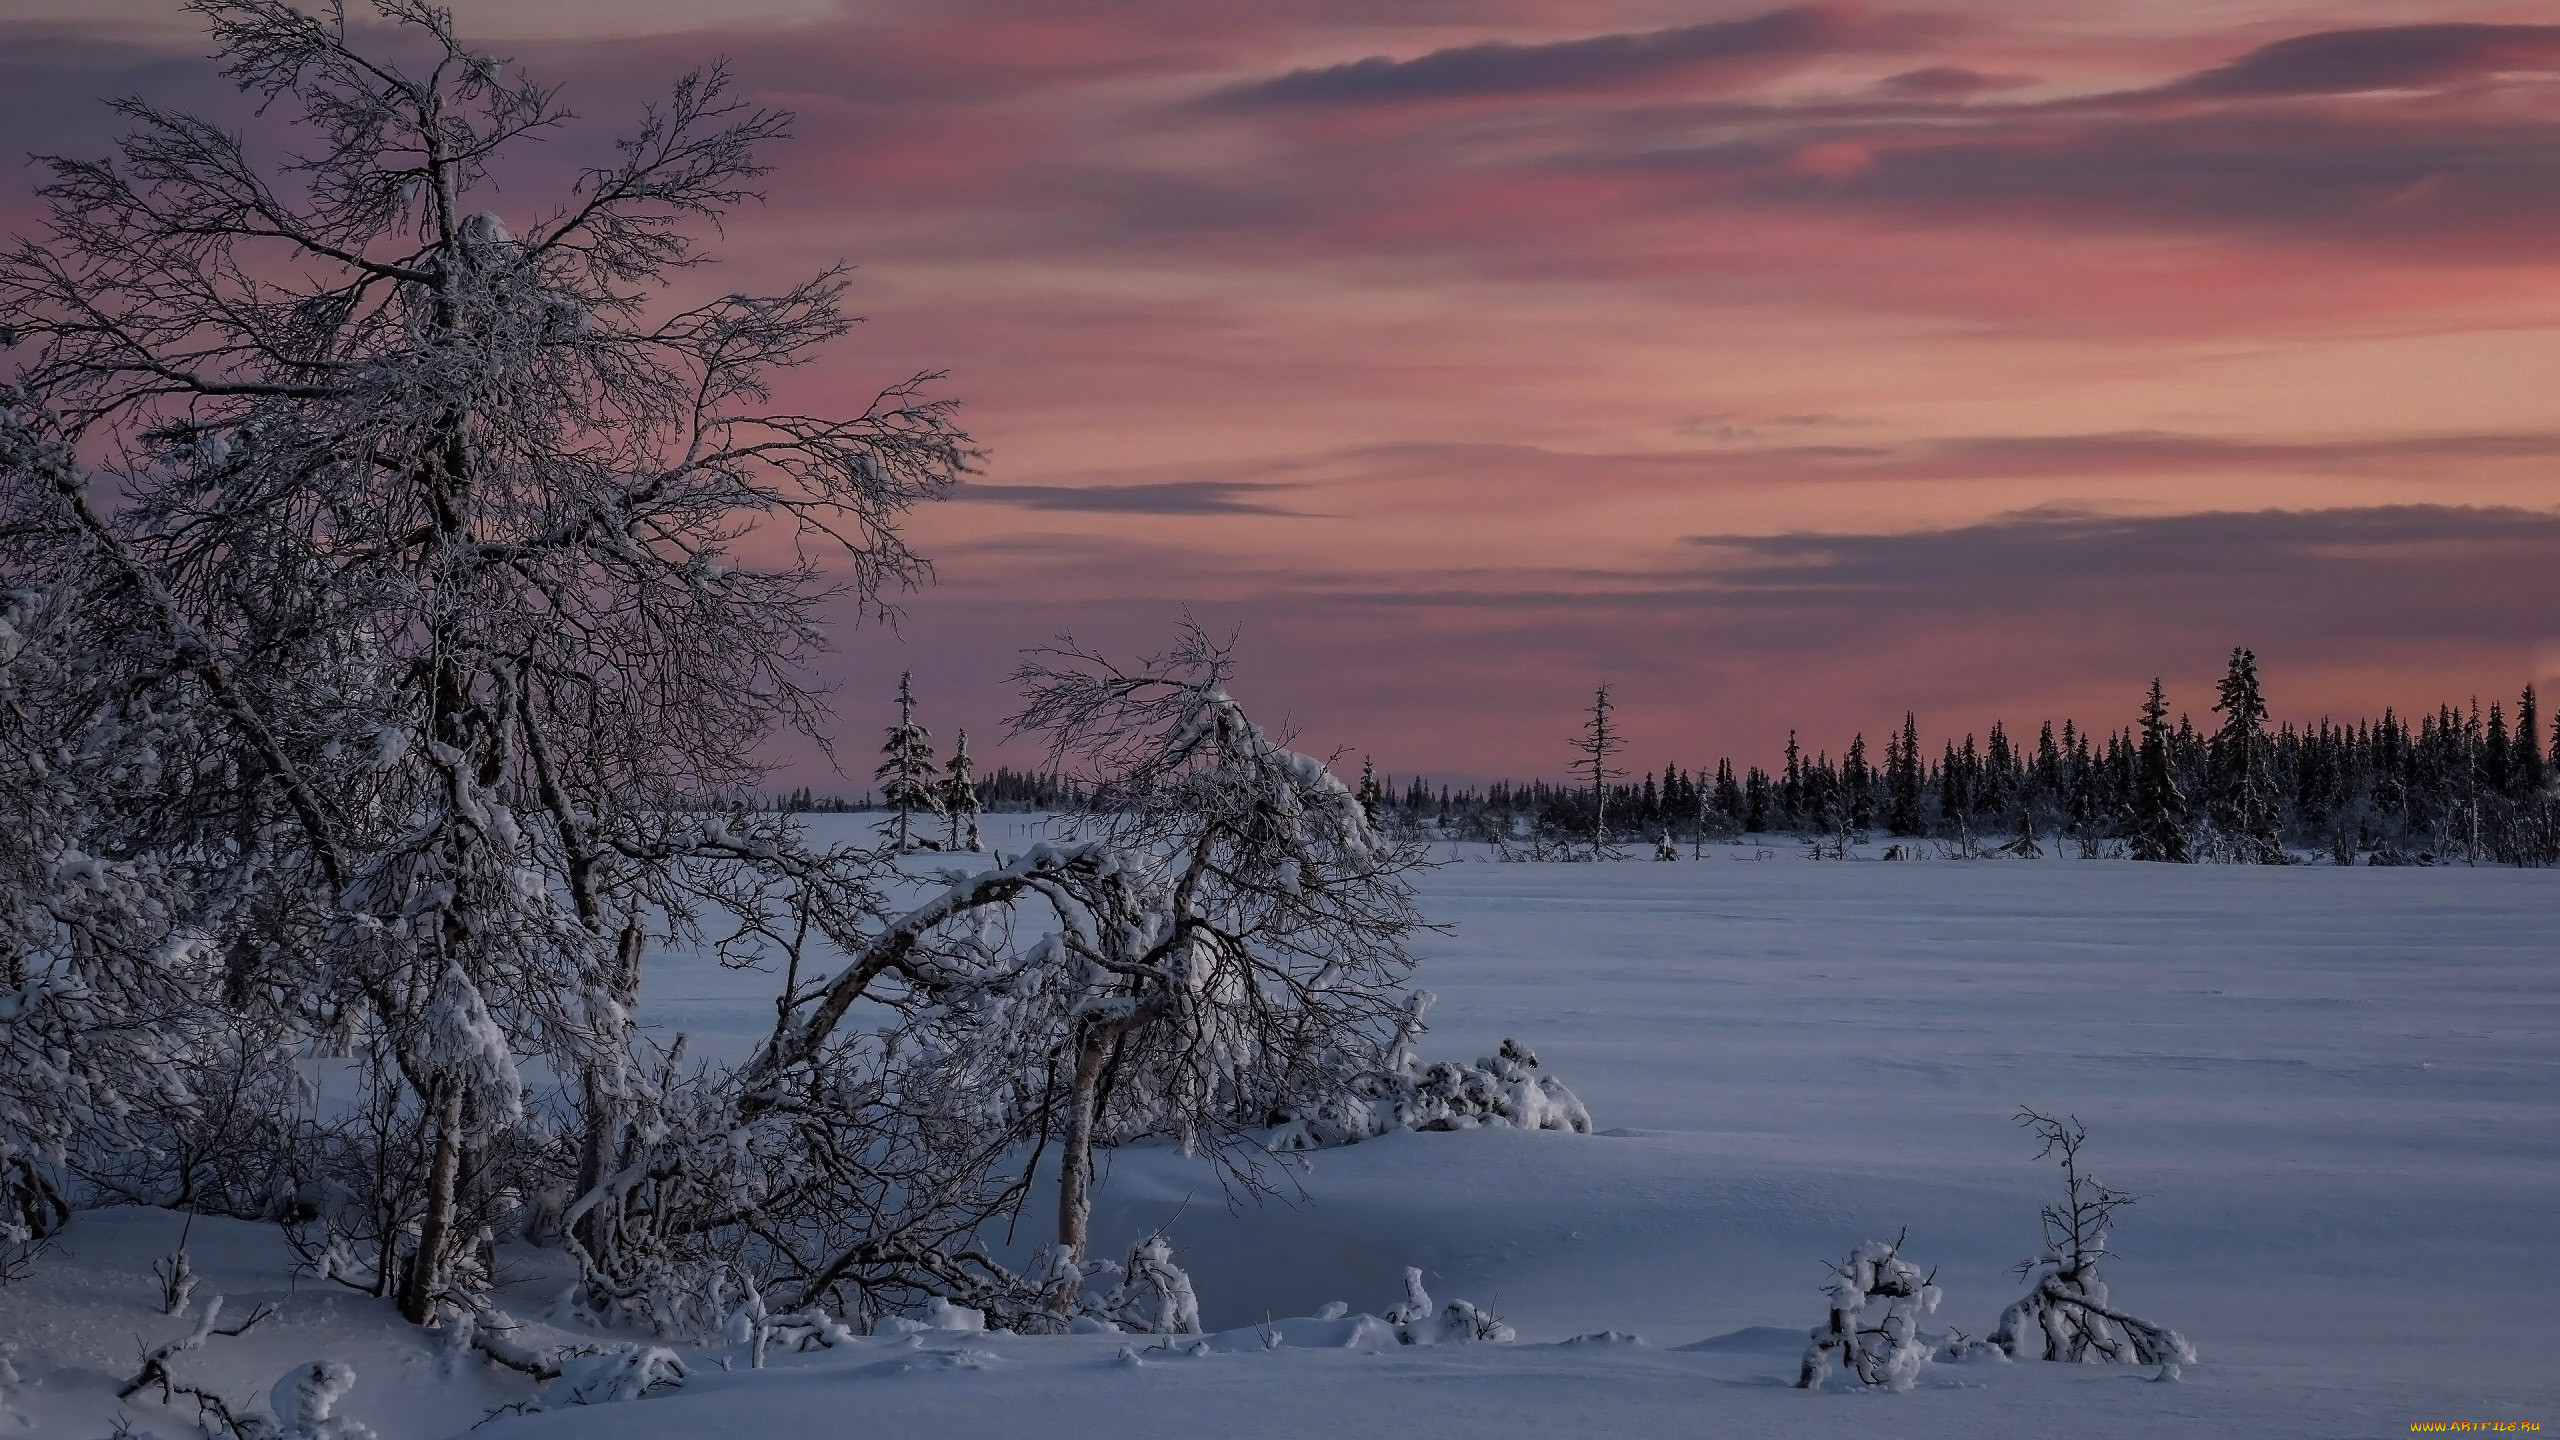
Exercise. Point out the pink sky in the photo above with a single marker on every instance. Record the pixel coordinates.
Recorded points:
(1785, 367)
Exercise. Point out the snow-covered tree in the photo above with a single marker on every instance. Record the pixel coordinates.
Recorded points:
(1237, 956)
(960, 795)
(2156, 828)
(907, 784)
(2246, 805)
(1884, 1349)
(2066, 1313)
(424, 523)
(103, 990)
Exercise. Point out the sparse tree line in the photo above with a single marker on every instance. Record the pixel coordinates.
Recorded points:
(2460, 784)
(372, 620)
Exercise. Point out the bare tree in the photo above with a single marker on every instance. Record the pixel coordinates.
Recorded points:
(1598, 741)
(427, 524)
(2066, 1301)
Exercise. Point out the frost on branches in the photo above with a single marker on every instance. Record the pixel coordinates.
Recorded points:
(1877, 1299)
(418, 530)
(2066, 1313)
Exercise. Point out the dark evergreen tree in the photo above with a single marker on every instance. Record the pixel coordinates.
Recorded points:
(960, 795)
(2157, 827)
(1860, 783)
(2529, 766)
(1902, 781)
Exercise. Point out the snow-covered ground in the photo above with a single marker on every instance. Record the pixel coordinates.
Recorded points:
(2339, 1092)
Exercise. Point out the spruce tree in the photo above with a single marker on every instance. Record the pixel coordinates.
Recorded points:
(906, 768)
(2529, 769)
(2157, 828)
(2245, 804)
(1860, 781)
(1368, 793)
(1903, 779)
(960, 795)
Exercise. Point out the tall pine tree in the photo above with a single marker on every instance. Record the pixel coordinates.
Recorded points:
(1902, 779)
(960, 795)
(2157, 828)
(2247, 808)
(906, 768)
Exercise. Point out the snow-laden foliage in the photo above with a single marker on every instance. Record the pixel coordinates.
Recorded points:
(1152, 1295)
(2066, 1314)
(1877, 1299)
(419, 530)
(1417, 1321)
(105, 988)
(620, 1372)
(1505, 1088)
(306, 1403)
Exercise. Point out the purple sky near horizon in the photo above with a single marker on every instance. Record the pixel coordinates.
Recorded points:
(1783, 366)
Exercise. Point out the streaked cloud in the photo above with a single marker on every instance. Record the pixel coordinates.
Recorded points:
(1170, 497)
(1700, 56)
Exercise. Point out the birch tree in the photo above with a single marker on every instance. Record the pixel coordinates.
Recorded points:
(427, 519)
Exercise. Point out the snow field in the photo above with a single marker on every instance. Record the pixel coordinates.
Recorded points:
(2339, 1092)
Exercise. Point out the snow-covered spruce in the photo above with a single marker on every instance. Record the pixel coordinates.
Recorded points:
(1877, 1299)
(907, 784)
(2066, 1314)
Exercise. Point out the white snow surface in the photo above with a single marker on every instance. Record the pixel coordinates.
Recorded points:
(2338, 1092)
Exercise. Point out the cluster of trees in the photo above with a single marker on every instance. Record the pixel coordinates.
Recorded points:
(372, 619)
(1001, 789)
(2458, 783)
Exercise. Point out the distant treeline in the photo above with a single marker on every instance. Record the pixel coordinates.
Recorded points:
(1001, 789)
(2460, 784)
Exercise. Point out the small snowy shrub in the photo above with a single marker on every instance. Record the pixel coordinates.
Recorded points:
(625, 1372)
(1154, 1296)
(2066, 1303)
(1501, 1089)
(1887, 1353)
(306, 1403)
(1457, 1323)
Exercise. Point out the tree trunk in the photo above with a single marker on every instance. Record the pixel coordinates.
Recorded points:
(426, 1268)
(1075, 1173)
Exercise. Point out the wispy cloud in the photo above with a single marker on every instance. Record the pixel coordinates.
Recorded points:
(1734, 50)
(1170, 497)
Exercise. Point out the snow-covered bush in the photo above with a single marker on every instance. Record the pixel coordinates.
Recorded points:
(1154, 1296)
(2066, 1314)
(1418, 1322)
(1879, 1345)
(621, 1372)
(306, 1403)
(1505, 1088)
